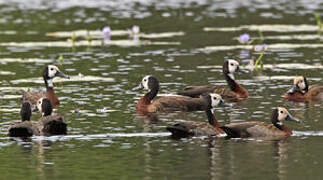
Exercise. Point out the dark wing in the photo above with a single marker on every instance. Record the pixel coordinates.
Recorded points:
(52, 125)
(33, 97)
(239, 130)
(196, 91)
(191, 128)
(177, 103)
(23, 129)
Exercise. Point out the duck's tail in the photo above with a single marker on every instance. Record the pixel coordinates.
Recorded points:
(55, 127)
(179, 130)
(20, 132)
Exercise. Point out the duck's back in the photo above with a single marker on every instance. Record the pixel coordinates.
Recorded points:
(52, 125)
(315, 93)
(177, 103)
(192, 128)
(33, 96)
(196, 91)
(252, 129)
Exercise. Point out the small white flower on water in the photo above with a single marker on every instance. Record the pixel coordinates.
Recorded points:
(102, 110)
(135, 29)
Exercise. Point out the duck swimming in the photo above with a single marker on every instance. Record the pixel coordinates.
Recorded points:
(25, 128)
(50, 124)
(236, 91)
(49, 73)
(193, 128)
(147, 103)
(301, 91)
(256, 129)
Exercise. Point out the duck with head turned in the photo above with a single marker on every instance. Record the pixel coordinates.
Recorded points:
(147, 103)
(236, 91)
(49, 73)
(193, 128)
(25, 128)
(301, 91)
(50, 124)
(256, 129)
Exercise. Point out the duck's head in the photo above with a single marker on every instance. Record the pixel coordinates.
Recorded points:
(149, 82)
(25, 111)
(45, 106)
(230, 67)
(213, 100)
(300, 85)
(50, 72)
(281, 114)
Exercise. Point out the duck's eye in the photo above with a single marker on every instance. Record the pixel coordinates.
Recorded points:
(52, 69)
(145, 80)
(232, 64)
(281, 112)
(215, 98)
(39, 102)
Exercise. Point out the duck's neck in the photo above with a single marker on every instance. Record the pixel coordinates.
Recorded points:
(211, 118)
(282, 127)
(231, 82)
(146, 99)
(50, 93)
(152, 94)
(235, 87)
(49, 83)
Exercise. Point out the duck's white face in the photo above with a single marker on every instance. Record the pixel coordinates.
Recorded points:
(144, 82)
(300, 82)
(216, 99)
(233, 65)
(283, 114)
(39, 104)
(52, 70)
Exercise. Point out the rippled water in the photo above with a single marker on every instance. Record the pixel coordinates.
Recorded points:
(106, 139)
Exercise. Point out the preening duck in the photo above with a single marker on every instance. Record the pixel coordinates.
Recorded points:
(49, 73)
(301, 91)
(193, 128)
(147, 103)
(25, 128)
(236, 91)
(255, 129)
(50, 124)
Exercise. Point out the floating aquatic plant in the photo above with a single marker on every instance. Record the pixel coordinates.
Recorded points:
(89, 37)
(135, 29)
(319, 22)
(73, 38)
(260, 48)
(261, 37)
(60, 59)
(244, 38)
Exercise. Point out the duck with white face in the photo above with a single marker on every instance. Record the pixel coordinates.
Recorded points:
(194, 128)
(25, 128)
(301, 91)
(50, 124)
(262, 130)
(149, 104)
(235, 92)
(49, 73)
